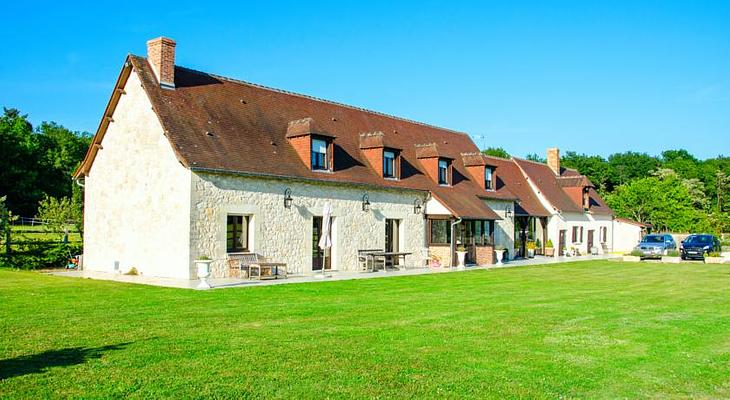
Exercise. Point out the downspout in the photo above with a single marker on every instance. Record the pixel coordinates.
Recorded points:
(453, 239)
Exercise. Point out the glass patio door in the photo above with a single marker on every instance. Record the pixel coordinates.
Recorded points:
(318, 255)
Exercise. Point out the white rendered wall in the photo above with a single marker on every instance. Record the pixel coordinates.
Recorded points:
(504, 229)
(137, 196)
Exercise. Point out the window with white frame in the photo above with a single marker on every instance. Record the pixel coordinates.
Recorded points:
(389, 164)
(488, 178)
(443, 172)
(320, 155)
(237, 237)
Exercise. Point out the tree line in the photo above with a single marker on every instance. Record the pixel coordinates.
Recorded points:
(674, 191)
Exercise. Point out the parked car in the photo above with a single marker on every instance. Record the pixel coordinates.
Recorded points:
(656, 245)
(698, 246)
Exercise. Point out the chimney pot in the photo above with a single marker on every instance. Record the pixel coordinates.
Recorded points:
(161, 56)
(553, 159)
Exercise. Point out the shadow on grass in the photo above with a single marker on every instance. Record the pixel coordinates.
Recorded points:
(40, 362)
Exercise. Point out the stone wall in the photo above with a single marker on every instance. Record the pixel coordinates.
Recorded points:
(137, 196)
(285, 235)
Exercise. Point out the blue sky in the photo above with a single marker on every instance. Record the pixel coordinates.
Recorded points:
(594, 77)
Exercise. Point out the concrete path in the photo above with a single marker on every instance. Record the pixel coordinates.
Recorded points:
(220, 283)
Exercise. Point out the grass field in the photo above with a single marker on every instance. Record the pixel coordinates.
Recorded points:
(594, 329)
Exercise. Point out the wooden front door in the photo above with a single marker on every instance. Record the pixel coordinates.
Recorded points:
(318, 255)
(392, 226)
(561, 243)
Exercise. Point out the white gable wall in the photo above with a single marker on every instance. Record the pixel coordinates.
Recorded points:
(137, 196)
(504, 229)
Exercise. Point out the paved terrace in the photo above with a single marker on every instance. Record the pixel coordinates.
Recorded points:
(220, 283)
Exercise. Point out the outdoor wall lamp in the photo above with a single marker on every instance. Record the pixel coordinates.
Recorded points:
(417, 206)
(508, 212)
(287, 198)
(365, 203)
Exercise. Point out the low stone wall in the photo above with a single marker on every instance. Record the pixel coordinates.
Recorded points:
(442, 252)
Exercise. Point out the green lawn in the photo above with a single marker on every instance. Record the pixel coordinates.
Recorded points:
(581, 330)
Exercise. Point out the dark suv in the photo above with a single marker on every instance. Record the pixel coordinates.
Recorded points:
(656, 245)
(698, 246)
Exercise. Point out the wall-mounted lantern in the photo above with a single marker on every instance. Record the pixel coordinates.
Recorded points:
(365, 203)
(417, 206)
(287, 198)
(508, 212)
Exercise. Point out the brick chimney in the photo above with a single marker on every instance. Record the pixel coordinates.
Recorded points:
(553, 159)
(161, 56)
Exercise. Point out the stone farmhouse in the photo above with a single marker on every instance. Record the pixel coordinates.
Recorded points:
(186, 163)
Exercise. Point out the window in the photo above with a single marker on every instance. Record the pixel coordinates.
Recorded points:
(488, 184)
(320, 159)
(443, 172)
(476, 232)
(575, 234)
(389, 164)
(581, 234)
(440, 231)
(237, 233)
(604, 234)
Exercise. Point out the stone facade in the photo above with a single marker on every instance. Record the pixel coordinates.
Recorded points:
(285, 235)
(137, 196)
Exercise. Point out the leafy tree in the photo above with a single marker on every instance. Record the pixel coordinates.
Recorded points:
(536, 158)
(623, 167)
(6, 217)
(60, 214)
(594, 167)
(663, 202)
(36, 163)
(496, 152)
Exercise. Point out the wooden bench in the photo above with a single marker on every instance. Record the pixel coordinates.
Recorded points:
(252, 265)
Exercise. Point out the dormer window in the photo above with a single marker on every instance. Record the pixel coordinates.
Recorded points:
(586, 199)
(443, 172)
(390, 164)
(320, 155)
(488, 178)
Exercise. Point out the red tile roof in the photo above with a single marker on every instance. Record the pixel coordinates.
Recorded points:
(510, 178)
(554, 188)
(221, 125)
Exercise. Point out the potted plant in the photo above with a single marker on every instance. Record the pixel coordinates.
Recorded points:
(634, 256)
(203, 265)
(549, 249)
(530, 249)
(499, 253)
(538, 247)
(672, 257)
(714, 258)
(461, 255)
(435, 261)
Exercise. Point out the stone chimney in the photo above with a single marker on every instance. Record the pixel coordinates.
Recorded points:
(553, 159)
(161, 56)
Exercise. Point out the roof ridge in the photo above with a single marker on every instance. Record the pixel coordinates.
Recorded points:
(530, 161)
(282, 91)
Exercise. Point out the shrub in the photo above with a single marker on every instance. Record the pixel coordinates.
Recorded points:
(132, 271)
(714, 254)
(531, 245)
(538, 243)
(549, 244)
(636, 253)
(40, 255)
